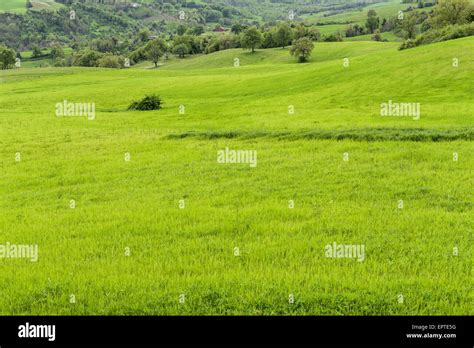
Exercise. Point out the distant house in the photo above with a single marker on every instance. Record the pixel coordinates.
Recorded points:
(219, 29)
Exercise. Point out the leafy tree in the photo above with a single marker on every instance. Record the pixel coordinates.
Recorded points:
(300, 31)
(36, 52)
(409, 25)
(192, 42)
(155, 49)
(237, 28)
(228, 41)
(7, 58)
(302, 49)
(333, 37)
(313, 34)
(181, 29)
(371, 13)
(373, 22)
(377, 36)
(214, 43)
(211, 15)
(251, 39)
(181, 50)
(63, 62)
(303, 31)
(57, 52)
(470, 14)
(105, 45)
(197, 30)
(144, 35)
(269, 39)
(283, 35)
(110, 61)
(138, 55)
(354, 30)
(87, 57)
(451, 12)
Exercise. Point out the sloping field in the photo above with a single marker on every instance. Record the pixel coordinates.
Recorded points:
(19, 6)
(386, 10)
(13, 6)
(157, 219)
(45, 4)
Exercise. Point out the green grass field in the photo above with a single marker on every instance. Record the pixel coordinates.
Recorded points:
(384, 10)
(128, 248)
(18, 6)
(41, 62)
(387, 9)
(332, 28)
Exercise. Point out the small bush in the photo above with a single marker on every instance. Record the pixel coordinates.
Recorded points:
(409, 43)
(336, 37)
(150, 102)
(110, 61)
(87, 58)
(377, 36)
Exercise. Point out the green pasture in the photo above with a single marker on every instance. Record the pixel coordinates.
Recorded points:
(160, 227)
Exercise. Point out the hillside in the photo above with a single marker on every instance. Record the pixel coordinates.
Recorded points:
(131, 209)
(325, 94)
(324, 52)
(124, 20)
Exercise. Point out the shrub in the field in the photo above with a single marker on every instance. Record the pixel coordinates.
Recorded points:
(149, 102)
(110, 61)
(7, 58)
(302, 49)
(377, 36)
(87, 57)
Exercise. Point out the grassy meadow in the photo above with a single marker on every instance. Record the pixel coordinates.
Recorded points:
(384, 9)
(13, 6)
(130, 245)
(19, 6)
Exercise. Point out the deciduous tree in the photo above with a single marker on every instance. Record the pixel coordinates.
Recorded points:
(302, 49)
(251, 39)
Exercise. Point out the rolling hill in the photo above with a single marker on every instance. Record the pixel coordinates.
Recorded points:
(156, 216)
(354, 93)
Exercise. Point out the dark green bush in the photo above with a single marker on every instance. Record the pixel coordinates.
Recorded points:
(335, 37)
(87, 57)
(150, 102)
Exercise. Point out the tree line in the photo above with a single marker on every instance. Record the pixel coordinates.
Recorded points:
(448, 19)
